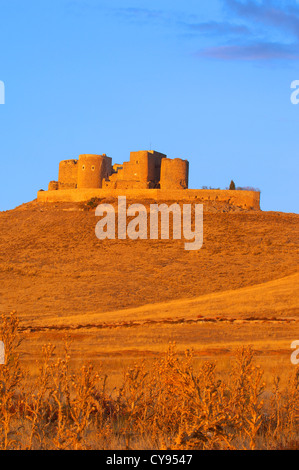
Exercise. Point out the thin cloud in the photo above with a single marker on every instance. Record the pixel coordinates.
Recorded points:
(256, 30)
(218, 28)
(261, 51)
(128, 13)
(147, 15)
(274, 32)
(269, 13)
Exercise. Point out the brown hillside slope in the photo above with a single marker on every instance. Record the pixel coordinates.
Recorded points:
(51, 263)
(264, 316)
(273, 301)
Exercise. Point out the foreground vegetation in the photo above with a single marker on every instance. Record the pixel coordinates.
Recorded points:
(170, 405)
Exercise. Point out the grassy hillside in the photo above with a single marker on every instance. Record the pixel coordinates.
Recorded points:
(120, 301)
(52, 265)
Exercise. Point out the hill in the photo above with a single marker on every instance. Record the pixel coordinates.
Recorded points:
(241, 287)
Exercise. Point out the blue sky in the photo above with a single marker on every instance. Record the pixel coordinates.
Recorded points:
(209, 81)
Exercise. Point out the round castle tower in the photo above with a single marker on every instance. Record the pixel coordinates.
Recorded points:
(92, 169)
(174, 174)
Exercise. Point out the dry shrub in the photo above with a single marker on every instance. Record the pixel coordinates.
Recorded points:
(11, 376)
(169, 405)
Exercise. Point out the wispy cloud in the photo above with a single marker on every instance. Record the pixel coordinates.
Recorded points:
(131, 14)
(166, 17)
(257, 51)
(272, 31)
(146, 13)
(218, 28)
(251, 30)
(283, 16)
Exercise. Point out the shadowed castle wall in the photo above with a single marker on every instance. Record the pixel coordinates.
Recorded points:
(157, 166)
(68, 174)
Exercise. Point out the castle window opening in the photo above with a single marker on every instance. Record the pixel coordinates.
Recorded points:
(92, 168)
(83, 167)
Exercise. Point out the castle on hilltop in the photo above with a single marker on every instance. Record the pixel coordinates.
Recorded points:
(148, 175)
(145, 170)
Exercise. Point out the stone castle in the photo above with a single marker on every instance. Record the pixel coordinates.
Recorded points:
(148, 175)
(145, 170)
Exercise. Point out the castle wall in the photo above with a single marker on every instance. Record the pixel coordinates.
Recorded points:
(108, 166)
(68, 174)
(157, 165)
(93, 176)
(144, 167)
(92, 169)
(137, 169)
(174, 174)
(124, 184)
(53, 186)
(244, 199)
(117, 167)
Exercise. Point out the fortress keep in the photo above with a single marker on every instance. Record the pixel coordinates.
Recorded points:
(145, 170)
(147, 175)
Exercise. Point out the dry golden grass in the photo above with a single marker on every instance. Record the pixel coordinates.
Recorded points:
(273, 300)
(213, 326)
(172, 404)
